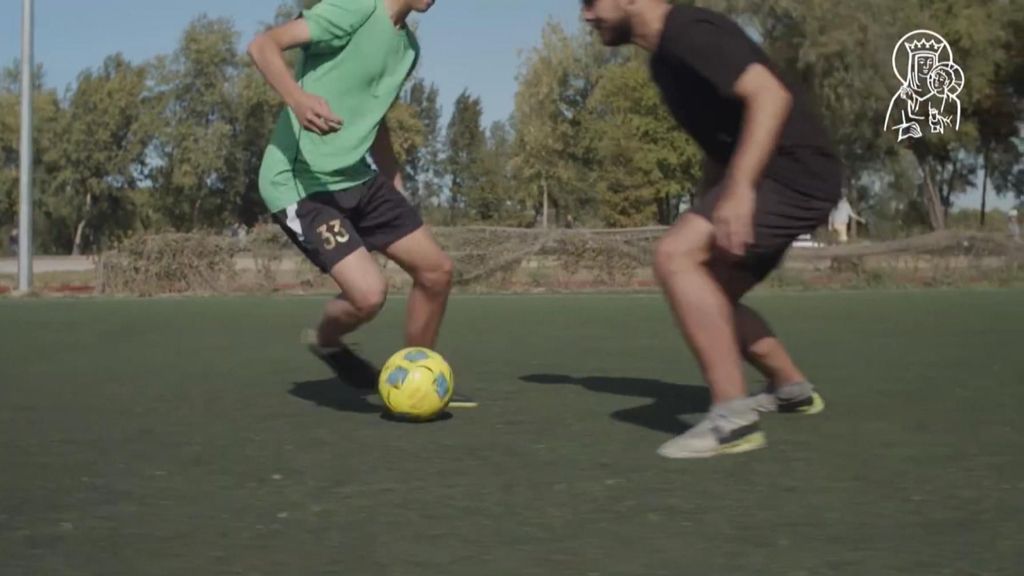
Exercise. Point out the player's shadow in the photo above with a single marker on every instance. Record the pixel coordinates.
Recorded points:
(330, 393)
(668, 401)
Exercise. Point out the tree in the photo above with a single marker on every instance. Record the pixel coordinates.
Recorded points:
(194, 148)
(498, 198)
(1000, 119)
(252, 111)
(842, 51)
(466, 143)
(97, 163)
(46, 113)
(408, 135)
(555, 82)
(422, 165)
(644, 162)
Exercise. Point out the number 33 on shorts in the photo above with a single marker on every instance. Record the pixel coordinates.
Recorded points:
(333, 234)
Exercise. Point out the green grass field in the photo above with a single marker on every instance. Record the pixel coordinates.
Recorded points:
(195, 437)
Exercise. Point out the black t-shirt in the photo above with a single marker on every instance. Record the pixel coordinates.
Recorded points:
(700, 57)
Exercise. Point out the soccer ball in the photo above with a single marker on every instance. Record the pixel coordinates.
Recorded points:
(416, 384)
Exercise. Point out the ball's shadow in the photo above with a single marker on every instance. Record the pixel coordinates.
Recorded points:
(443, 417)
(332, 393)
(668, 401)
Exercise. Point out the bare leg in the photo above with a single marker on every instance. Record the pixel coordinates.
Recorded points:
(364, 291)
(701, 307)
(431, 271)
(764, 350)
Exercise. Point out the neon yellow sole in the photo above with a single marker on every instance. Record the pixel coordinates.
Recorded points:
(817, 405)
(755, 441)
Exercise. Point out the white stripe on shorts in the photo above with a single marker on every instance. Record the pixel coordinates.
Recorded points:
(292, 213)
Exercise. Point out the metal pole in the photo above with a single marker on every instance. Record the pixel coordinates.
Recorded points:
(25, 211)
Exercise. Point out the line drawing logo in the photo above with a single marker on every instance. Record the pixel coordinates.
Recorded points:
(930, 82)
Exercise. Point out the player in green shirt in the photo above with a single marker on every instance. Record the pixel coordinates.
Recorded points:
(318, 185)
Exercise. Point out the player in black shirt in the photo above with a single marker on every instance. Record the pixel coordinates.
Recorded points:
(771, 175)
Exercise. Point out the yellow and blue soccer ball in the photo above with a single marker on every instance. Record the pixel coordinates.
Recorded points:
(416, 384)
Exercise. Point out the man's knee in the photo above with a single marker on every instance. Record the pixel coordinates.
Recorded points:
(685, 247)
(367, 302)
(437, 276)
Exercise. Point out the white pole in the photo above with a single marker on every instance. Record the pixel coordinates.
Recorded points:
(25, 211)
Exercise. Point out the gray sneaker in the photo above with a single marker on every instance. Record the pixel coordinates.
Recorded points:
(798, 398)
(728, 429)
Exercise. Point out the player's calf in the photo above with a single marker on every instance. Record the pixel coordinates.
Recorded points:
(770, 358)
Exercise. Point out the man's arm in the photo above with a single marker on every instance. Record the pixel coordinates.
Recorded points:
(383, 153)
(766, 103)
(267, 53)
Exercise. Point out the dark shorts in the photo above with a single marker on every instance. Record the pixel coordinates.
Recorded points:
(780, 216)
(329, 226)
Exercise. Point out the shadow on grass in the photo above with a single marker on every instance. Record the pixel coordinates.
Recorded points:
(331, 393)
(668, 401)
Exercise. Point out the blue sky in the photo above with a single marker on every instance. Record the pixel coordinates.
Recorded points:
(472, 44)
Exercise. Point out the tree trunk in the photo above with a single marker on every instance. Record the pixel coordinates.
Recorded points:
(76, 248)
(932, 201)
(946, 193)
(855, 202)
(195, 212)
(984, 186)
(544, 185)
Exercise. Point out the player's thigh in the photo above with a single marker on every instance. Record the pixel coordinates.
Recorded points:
(383, 215)
(738, 276)
(322, 230)
(388, 223)
(419, 254)
(781, 216)
(361, 280)
(687, 242)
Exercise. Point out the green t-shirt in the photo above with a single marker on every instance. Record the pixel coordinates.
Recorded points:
(358, 61)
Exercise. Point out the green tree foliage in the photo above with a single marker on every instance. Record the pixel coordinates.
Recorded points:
(842, 49)
(644, 163)
(422, 170)
(95, 168)
(498, 200)
(46, 118)
(555, 82)
(465, 147)
(176, 142)
(197, 100)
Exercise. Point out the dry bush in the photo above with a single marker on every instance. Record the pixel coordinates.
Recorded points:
(169, 264)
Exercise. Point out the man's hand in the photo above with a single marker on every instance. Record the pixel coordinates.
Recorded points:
(315, 114)
(267, 53)
(766, 106)
(733, 218)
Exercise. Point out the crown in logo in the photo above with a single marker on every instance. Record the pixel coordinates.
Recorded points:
(924, 46)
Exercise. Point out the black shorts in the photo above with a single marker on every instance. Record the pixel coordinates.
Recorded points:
(329, 226)
(781, 215)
